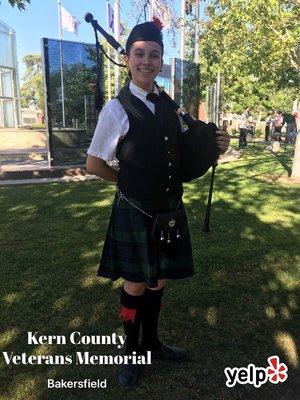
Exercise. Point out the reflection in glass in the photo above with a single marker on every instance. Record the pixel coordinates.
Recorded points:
(6, 81)
(10, 111)
(70, 82)
(186, 85)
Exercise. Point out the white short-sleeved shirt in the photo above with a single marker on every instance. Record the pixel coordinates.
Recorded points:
(244, 120)
(113, 125)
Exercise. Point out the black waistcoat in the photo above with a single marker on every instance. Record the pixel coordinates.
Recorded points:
(148, 155)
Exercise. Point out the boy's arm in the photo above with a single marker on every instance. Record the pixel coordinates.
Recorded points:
(97, 166)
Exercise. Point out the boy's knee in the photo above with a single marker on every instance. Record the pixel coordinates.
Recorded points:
(134, 289)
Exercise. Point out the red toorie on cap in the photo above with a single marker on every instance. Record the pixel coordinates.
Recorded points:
(158, 23)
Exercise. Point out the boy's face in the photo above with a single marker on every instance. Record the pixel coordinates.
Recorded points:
(144, 62)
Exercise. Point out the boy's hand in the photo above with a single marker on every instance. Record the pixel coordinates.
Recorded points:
(223, 140)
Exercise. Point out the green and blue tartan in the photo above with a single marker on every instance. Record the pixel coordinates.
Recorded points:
(130, 252)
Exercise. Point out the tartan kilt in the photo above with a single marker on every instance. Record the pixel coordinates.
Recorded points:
(130, 252)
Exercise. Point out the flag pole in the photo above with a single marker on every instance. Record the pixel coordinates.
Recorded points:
(61, 63)
(108, 52)
(182, 49)
(117, 37)
(182, 31)
(196, 55)
(59, 20)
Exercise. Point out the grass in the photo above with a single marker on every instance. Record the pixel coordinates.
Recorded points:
(239, 308)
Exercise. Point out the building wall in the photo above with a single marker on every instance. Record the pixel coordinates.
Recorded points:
(9, 79)
(32, 117)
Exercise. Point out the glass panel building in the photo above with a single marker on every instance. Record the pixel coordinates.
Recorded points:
(163, 79)
(9, 80)
(70, 76)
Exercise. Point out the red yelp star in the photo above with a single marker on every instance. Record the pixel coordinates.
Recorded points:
(277, 371)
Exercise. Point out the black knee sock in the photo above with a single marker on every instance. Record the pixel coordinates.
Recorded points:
(130, 314)
(150, 314)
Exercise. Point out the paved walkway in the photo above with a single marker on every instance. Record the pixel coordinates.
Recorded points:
(47, 180)
(39, 172)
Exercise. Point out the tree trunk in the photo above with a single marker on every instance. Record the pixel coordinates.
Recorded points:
(296, 163)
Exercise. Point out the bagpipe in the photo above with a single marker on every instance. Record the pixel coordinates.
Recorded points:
(199, 150)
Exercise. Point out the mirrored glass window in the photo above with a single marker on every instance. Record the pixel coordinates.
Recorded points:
(71, 72)
(186, 85)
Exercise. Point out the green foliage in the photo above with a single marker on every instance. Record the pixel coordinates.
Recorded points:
(255, 46)
(21, 4)
(33, 81)
(79, 87)
(78, 82)
(282, 99)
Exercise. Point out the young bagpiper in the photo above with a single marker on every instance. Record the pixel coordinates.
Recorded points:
(148, 239)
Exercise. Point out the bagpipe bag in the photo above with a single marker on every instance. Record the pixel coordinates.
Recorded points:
(199, 150)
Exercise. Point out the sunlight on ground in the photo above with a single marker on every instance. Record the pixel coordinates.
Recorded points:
(194, 311)
(76, 322)
(63, 193)
(102, 203)
(26, 387)
(271, 286)
(43, 349)
(212, 316)
(227, 197)
(287, 279)
(91, 253)
(24, 213)
(59, 304)
(248, 234)
(287, 345)
(270, 312)
(75, 206)
(8, 336)
(97, 312)
(284, 223)
(117, 284)
(285, 313)
(107, 202)
(22, 208)
(292, 301)
(89, 281)
(80, 214)
(11, 297)
(282, 219)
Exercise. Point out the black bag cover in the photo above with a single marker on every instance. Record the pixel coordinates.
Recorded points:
(199, 150)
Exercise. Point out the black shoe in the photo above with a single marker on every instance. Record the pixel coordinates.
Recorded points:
(128, 376)
(169, 353)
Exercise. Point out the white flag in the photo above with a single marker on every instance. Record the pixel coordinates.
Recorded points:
(69, 22)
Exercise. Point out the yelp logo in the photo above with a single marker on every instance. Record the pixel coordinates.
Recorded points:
(275, 372)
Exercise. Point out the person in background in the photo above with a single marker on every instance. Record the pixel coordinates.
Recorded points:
(267, 126)
(291, 127)
(244, 127)
(277, 124)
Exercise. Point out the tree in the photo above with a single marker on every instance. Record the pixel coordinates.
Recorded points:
(255, 46)
(296, 162)
(21, 4)
(165, 9)
(33, 88)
